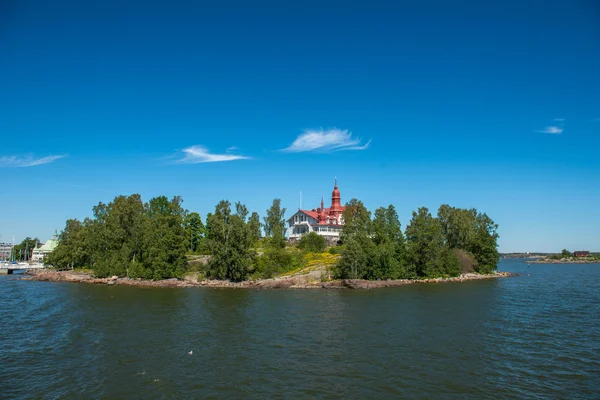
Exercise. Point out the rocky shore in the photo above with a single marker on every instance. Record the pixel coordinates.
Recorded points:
(294, 282)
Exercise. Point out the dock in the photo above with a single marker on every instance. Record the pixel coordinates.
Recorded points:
(12, 269)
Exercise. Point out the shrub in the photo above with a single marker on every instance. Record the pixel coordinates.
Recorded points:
(336, 249)
(275, 261)
(312, 242)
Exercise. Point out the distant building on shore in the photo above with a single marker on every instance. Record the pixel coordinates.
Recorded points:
(581, 253)
(39, 253)
(5, 251)
(327, 222)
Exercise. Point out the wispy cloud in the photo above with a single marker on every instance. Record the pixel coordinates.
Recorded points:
(325, 141)
(554, 129)
(200, 154)
(27, 161)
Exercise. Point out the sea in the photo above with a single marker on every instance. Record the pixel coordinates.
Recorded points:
(533, 336)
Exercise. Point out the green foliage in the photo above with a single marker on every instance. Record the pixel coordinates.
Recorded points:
(24, 250)
(277, 260)
(391, 245)
(357, 220)
(566, 254)
(254, 228)
(229, 240)
(458, 226)
(473, 232)
(194, 231)
(425, 244)
(336, 249)
(432, 247)
(275, 224)
(312, 242)
(73, 248)
(356, 259)
(127, 238)
(485, 244)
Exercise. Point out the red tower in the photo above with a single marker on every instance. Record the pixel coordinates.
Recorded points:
(336, 206)
(331, 215)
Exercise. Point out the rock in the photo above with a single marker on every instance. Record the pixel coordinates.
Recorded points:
(114, 278)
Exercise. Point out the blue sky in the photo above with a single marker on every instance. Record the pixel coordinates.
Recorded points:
(493, 105)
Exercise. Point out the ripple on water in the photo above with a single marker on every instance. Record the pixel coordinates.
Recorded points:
(535, 336)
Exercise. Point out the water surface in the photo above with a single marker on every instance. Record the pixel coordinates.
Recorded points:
(533, 336)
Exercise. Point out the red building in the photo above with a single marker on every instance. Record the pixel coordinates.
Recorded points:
(581, 253)
(323, 221)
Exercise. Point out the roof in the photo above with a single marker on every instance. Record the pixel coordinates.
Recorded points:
(313, 214)
(50, 245)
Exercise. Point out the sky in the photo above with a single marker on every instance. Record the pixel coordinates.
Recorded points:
(493, 105)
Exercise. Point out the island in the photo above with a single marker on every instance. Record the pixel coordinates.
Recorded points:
(159, 243)
(567, 257)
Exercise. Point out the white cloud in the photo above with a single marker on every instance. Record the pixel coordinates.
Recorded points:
(27, 161)
(199, 154)
(552, 130)
(329, 140)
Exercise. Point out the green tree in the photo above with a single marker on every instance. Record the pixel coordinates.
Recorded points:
(425, 244)
(254, 228)
(473, 232)
(357, 258)
(485, 244)
(357, 220)
(118, 235)
(312, 242)
(194, 231)
(566, 254)
(274, 224)
(390, 256)
(229, 241)
(166, 238)
(458, 226)
(72, 250)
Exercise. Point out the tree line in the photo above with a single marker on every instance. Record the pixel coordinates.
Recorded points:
(151, 240)
(457, 240)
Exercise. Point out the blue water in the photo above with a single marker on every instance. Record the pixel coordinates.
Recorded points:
(532, 336)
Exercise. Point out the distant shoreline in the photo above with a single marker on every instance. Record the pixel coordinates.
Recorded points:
(564, 261)
(294, 282)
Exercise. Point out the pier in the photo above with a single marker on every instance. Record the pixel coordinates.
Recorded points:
(12, 269)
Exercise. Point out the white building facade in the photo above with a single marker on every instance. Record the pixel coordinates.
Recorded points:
(39, 253)
(327, 222)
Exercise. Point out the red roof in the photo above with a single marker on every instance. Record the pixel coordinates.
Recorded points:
(311, 213)
(333, 212)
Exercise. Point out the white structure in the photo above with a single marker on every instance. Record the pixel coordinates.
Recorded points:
(327, 222)
(40, 252)
(5, 251)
